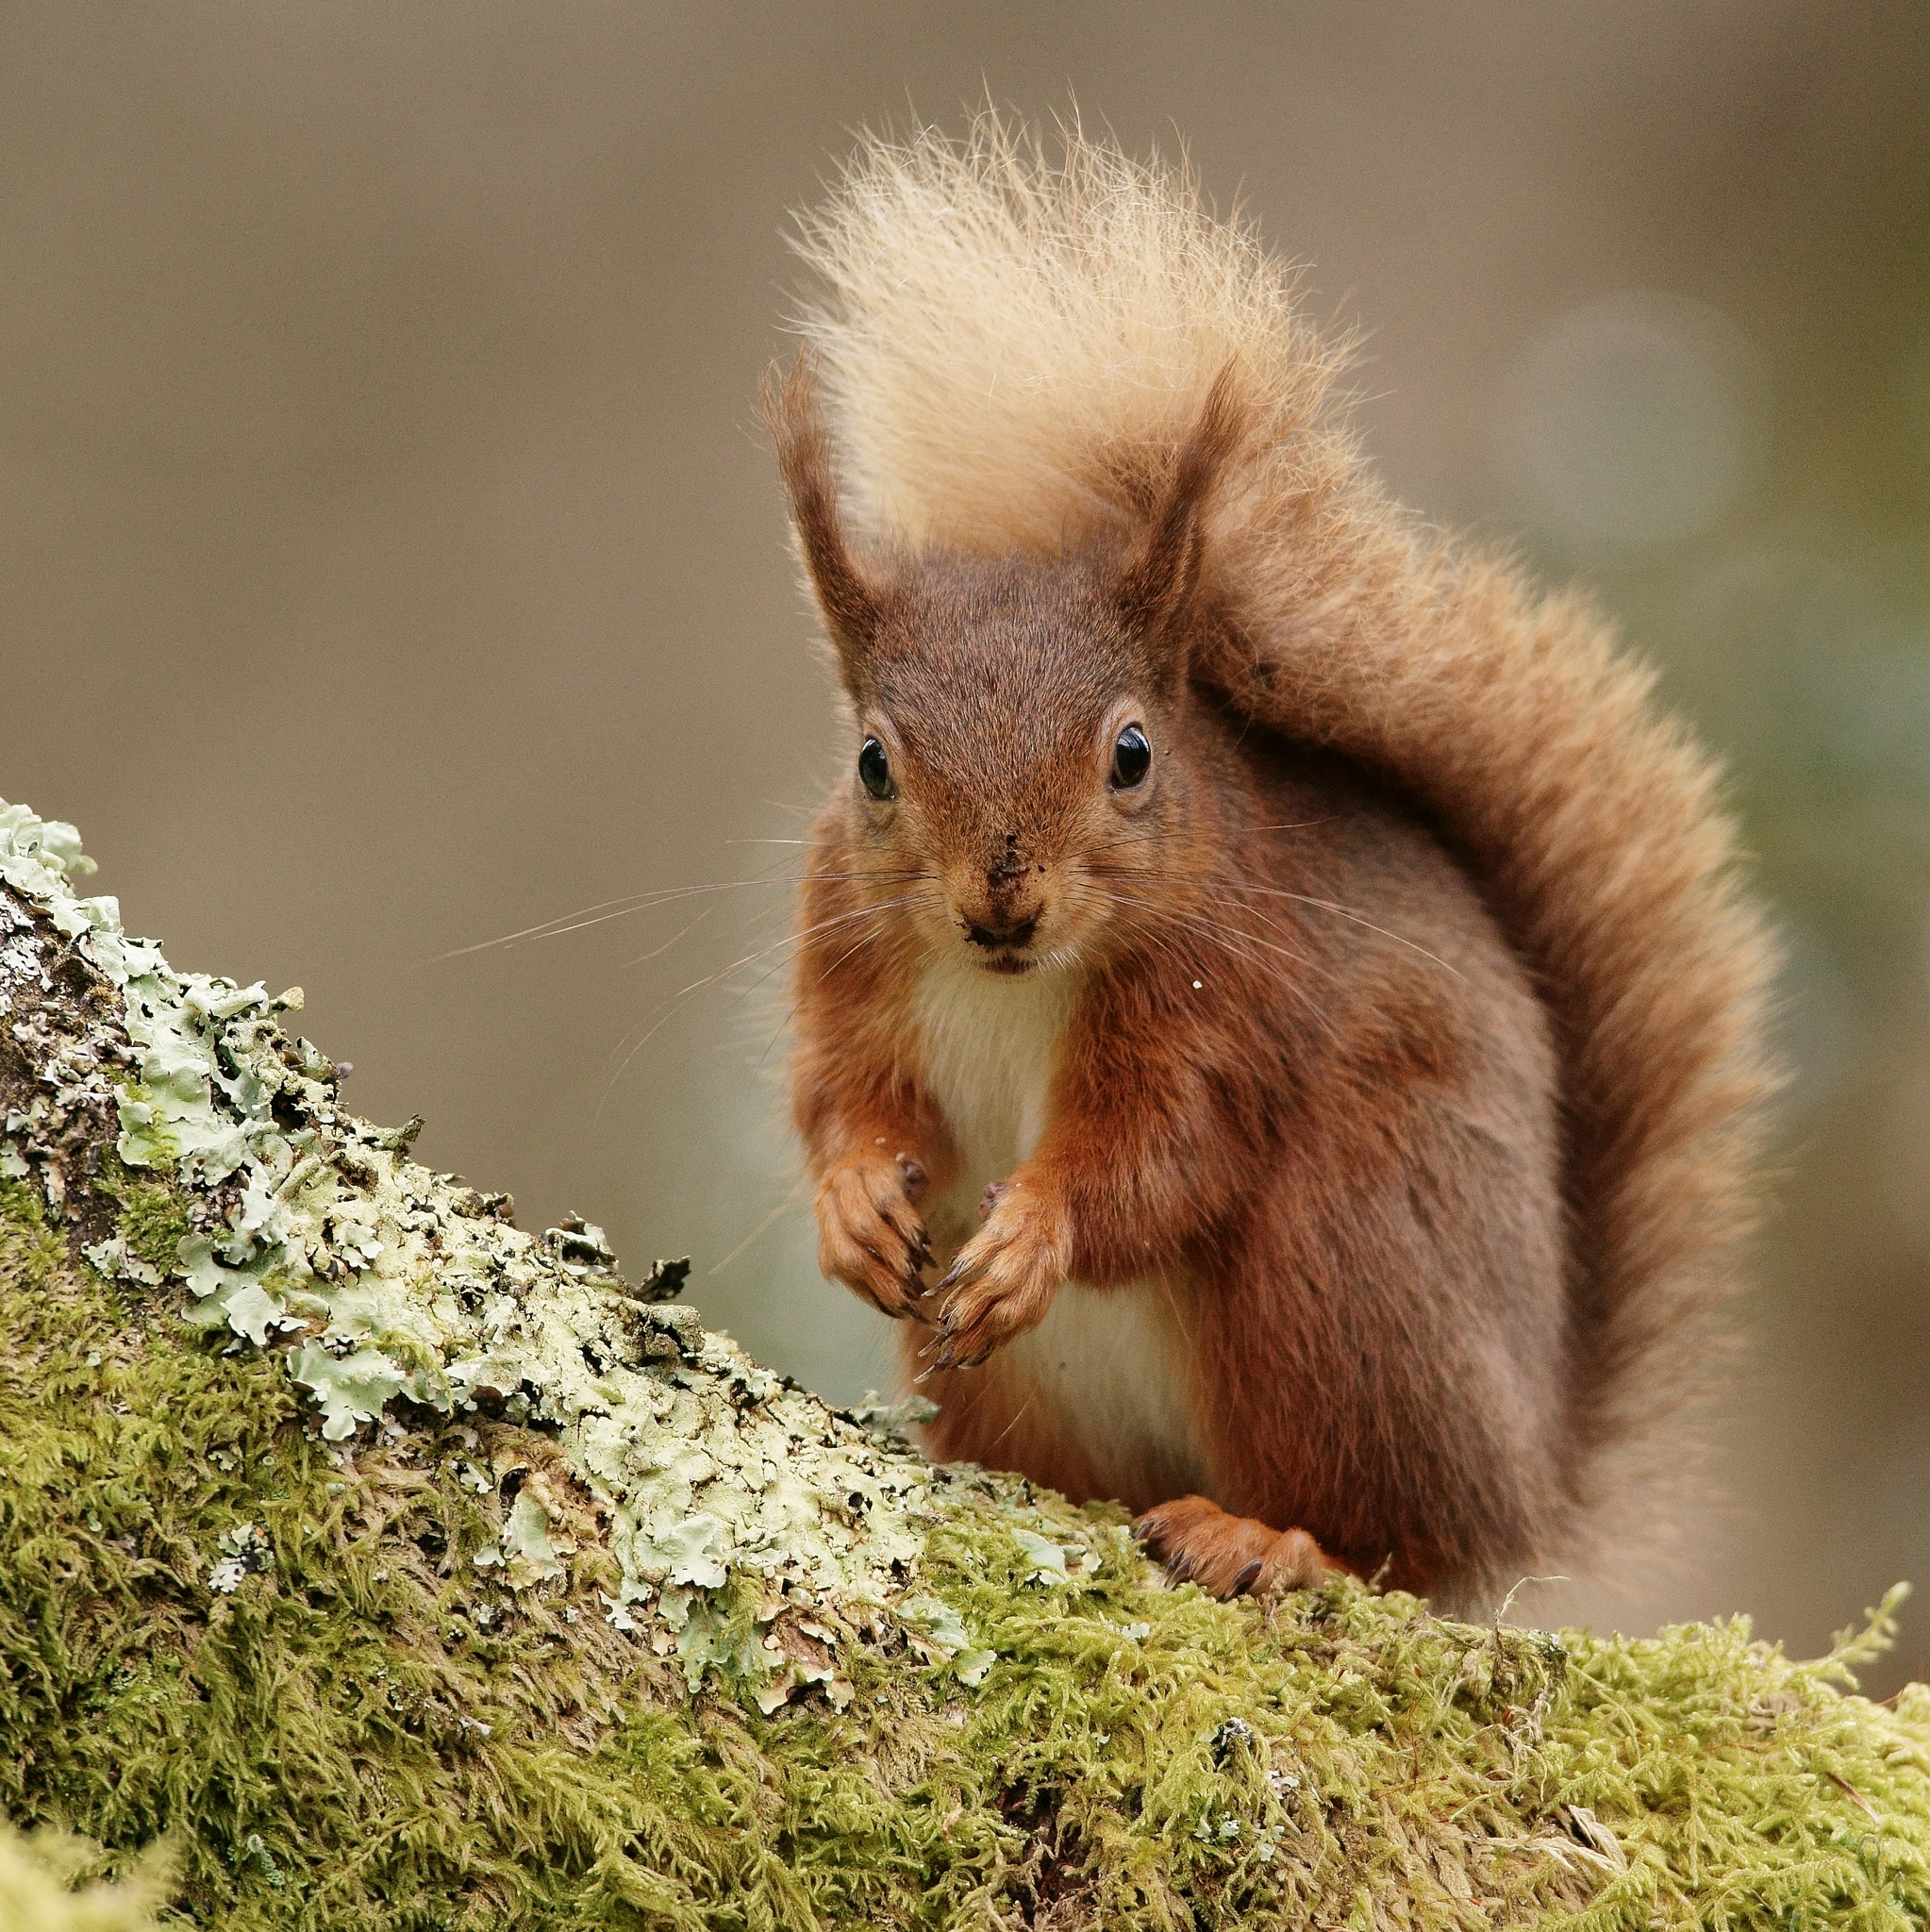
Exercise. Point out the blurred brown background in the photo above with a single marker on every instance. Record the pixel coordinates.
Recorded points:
(389, 559)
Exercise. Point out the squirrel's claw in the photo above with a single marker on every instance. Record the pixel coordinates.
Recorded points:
(1230, 1556)
(870, 1236)
(1004, 1276)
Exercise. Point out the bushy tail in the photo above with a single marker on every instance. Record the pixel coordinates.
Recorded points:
(1013, 345)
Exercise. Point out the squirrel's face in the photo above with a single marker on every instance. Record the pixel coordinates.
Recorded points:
(1012, 781)
(1012, 794)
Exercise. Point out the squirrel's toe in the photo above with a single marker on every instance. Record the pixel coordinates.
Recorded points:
(1229, 1556)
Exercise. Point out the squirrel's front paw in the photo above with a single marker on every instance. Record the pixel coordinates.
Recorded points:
(870, 1236)
(1005, 1275)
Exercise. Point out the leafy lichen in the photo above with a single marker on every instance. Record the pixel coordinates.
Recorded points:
(310, 1233)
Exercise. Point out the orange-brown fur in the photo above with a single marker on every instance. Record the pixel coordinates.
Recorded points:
(1405, 1061)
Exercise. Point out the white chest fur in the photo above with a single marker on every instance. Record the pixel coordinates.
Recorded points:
(987, 1050)
(1113, 1362)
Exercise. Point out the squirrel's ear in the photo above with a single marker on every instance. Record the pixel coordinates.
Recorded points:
(847, 597)
(1157, 585)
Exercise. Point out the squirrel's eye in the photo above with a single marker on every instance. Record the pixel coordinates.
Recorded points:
(874, 769)
(1132, 759)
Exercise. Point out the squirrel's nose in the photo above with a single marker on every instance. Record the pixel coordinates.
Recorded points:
(1019, 933)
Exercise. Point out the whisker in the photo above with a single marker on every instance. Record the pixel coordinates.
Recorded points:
(1230, 882)
(795, 1198)
(765, 976)
(1341, 911)
(658, 952)
(1023, 1409)
(606, 909)
(810, 935)
(568, 922)
(1197, 923)
(1224, 936)
(791, 1011)
(596, 915)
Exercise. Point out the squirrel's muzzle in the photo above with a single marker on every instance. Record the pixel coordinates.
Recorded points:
(999, 907)
(994, 937)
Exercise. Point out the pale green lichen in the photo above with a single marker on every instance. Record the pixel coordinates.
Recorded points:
(945, 1638)
(39, 856)
(525, 1551)
(314, 1234)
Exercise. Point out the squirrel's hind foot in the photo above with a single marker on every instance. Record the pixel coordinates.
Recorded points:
(1230, 1556)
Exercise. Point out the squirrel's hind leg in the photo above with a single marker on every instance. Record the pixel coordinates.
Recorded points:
(1230, 1556)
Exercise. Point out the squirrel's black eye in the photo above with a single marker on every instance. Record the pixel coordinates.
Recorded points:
(874, 769)
(1132, 759)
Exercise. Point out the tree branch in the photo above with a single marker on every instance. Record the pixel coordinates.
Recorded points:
(391, 1564)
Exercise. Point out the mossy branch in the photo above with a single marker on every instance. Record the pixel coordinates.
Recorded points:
(364, 1560)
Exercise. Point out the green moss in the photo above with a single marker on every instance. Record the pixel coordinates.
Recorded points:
(372, 1730)
(1340, 1751)
(152, 1219)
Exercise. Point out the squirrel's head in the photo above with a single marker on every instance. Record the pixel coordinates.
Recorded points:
(1014, 784)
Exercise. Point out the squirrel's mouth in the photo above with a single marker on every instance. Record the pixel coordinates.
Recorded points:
(1002, 945)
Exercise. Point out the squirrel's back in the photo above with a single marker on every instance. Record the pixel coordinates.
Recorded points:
(1014, 347)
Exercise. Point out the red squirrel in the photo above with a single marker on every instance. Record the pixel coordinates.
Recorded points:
(1276, 1014)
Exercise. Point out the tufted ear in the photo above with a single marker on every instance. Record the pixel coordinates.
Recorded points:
(849, 600)
(1158, 584)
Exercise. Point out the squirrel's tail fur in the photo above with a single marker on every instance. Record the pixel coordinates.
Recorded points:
(1013, 345)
